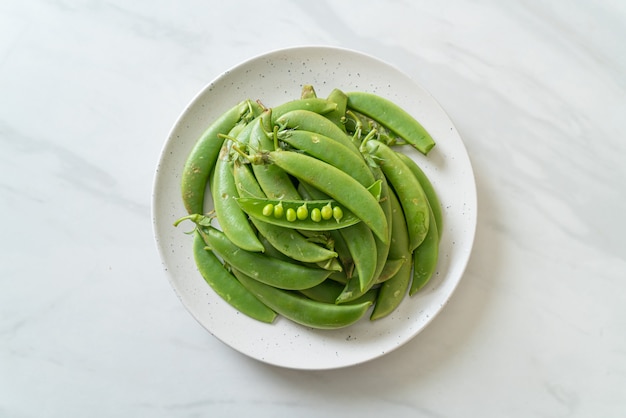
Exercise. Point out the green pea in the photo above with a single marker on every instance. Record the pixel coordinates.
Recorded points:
(268, 210)
(337, 213)
(291, 215)
(302, 212)
(316, 215)
(327, 212)
(278, 211)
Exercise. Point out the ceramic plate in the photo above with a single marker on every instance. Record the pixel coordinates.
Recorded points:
(274, 78)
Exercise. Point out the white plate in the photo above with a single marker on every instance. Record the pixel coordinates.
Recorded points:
(275, 78)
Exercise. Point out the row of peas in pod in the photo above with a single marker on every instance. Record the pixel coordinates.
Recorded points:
(317, 215)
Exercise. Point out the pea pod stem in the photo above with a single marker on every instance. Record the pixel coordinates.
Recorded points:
(308, 91)
(338, 115)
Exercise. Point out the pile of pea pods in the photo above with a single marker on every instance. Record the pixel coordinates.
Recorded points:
(317, 215)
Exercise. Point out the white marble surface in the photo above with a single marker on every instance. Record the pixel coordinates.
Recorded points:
(89, 325)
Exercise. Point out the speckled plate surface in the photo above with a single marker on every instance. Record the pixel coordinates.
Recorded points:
(274, 78)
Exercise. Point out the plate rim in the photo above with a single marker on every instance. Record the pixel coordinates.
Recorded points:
(291, 50)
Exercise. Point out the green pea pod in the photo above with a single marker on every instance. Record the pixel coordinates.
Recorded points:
(202, 158)
(274, 181)
(285, 240)
(428, 188)
(382, 247)
(343, 253)
(267, 210)
(309, 192)
(302, 310)
(233, 221)
(315, 105)
(362, 246)
(391, 267)
(339, 277)
(328, 291)
(331, 264)
(425, 259)
(310, 121)
(340, 186)
(269, 270)
(270, 251)
(226, 285)
(338, 115)
(393, 117)
(393, 290)
(410, 193)
(339, 244)
(330, 151)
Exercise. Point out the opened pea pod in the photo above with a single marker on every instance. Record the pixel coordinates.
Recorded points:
(308, 215)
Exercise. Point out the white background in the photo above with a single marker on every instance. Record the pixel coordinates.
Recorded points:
(89, 325)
